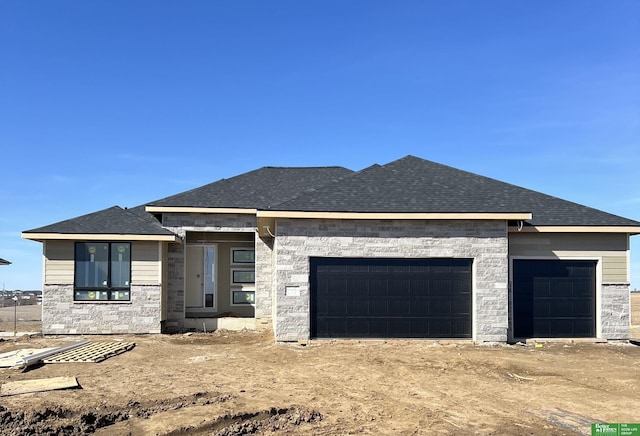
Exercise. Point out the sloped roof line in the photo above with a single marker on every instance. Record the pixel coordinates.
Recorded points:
(112, 220)
(336, 182)
(254, 189)
(415, 185)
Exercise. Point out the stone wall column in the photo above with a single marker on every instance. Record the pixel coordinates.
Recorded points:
(615, 306)
(264, 273)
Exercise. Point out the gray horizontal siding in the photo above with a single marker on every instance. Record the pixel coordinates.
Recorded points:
(611, 248)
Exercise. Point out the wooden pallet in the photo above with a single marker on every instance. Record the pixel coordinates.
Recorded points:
(39, 385)
(92, 352)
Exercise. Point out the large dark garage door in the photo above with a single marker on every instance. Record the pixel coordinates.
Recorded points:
(390, 298)
(554, 298)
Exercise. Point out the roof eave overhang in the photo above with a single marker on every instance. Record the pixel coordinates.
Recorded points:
(576, 229)
(188, 209)
(405, 216)
(97, 237)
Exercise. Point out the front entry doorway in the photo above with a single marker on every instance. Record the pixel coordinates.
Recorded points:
(200, 277)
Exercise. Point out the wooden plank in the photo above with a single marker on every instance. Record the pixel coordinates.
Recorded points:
(92, 352)
(37, 385)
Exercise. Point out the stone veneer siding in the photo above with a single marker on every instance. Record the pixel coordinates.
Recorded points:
(483, 241)
(264, 281)
(62, 315)
(175, 288)
(209, 222)
(614, 311)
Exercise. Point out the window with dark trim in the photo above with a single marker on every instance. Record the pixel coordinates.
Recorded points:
(102, 271)
(244, 297)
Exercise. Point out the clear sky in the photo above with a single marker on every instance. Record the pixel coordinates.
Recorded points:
(125, 102)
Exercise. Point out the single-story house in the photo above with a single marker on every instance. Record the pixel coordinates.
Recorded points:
(410, 249)
(4, 262)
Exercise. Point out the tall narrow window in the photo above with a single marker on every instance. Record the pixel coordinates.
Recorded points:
(102, 271)
(209, 276)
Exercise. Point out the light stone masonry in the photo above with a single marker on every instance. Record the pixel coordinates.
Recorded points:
(209, 222)
(61, 315)
(483, 241)
(615, 310)
(264, 280)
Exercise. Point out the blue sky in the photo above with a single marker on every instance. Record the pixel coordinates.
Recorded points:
(120, 102)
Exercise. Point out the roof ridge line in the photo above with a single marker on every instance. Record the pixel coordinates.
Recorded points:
(353, 174)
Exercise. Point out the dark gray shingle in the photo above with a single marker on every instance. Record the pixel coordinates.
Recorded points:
(257, 189)
(114, 220)
(414, 185)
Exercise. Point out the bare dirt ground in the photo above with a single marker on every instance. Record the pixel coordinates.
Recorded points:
(227, 383)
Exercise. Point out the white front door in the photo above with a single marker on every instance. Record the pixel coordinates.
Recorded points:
(200, 277)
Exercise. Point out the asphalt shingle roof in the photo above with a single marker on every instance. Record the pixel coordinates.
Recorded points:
(257, 189)
(114, 220)
(414, 185)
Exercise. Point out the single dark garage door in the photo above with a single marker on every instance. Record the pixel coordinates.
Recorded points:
(554, 298)
(390, 298)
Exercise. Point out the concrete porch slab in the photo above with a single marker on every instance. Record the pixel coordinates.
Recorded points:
(226, 323)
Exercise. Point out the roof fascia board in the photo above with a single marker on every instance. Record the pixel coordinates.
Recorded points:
(98, 237)
(169, 209)
(576, 229)
(408, 216)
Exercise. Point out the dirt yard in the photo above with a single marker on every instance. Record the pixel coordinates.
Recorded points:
(226, 383)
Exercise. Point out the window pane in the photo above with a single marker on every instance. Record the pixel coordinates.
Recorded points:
(91, 264)
(244, 297)
(91, 295)
(120, 264)
(209, 276)
(120, 295)
(244, 276)
(244, 256)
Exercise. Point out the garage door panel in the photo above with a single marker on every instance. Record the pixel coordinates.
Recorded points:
(402, 327)
(392, 298)
(358, 327)
(441, 306)
(357, 287)
(358, 307)
(461, 306)
(337, 287)
(323, 308)
(461, 327)
(419, 305)
(399, 307)
(377, 287)
(337, 306)
(377, 328)
(441, 328)
(419, 328)
(554, 298)
(401, 287)
(541, 288)
(440, 287)
(583, 288)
